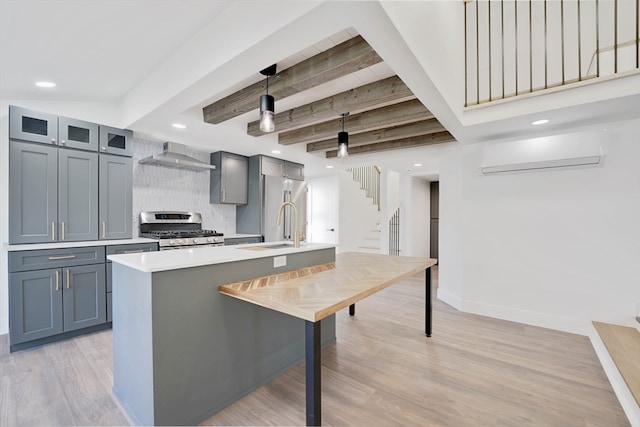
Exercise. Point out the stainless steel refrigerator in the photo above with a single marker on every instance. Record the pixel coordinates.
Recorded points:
(266, 193)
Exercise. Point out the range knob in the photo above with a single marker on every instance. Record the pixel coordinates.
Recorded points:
(172, 242)
(210, 240)
(196, 241)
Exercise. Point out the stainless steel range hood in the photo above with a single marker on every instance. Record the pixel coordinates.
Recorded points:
(174, 155)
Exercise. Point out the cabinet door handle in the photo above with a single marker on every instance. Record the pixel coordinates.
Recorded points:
(57, 280)
(104, 229)
(53, 231)
(53, 140)
(68, 279)
(62, 230)
(223, 195)
(52, 258)
(137, 251)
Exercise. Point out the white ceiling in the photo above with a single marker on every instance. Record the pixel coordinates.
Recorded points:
(145, 64)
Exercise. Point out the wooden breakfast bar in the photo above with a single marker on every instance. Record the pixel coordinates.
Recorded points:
(314, 293)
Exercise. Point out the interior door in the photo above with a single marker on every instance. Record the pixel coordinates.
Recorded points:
(323, 210)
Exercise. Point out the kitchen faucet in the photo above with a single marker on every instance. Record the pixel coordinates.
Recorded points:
(296, 234)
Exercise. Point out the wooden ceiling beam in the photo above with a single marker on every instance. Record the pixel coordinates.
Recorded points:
(423, 127)
(338, 61)
(381, 92)
(412, 142)
(391, 115)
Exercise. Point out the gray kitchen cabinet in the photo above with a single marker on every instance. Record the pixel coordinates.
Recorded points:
(77, 195)
(122, 249)
(228, 181)
(28, 125)
(44, 128)
(53, 194)
(35, 305)
(33, 192)
(115, 197)
(271, 166)
(115, 141)
(294, 171)
(73, 133)
(84, 296)
(53, 292)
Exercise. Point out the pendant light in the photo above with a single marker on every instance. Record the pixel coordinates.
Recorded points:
(343, 140)
(267, 104)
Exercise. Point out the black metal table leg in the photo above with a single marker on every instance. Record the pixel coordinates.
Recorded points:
(427, 307)
(352, 310)
(312, 370)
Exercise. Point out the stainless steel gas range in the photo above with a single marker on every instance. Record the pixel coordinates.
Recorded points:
(178, 230)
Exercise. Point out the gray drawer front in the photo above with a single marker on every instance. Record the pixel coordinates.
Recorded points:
(241, 240)
(130, 249)
(54, 258)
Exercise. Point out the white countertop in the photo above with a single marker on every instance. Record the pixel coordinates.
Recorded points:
(60, 245)
(151, 262)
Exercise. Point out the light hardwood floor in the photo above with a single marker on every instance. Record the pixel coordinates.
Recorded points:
(383, 371)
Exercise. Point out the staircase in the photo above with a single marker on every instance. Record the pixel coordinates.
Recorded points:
(368, 179)
(618, 348)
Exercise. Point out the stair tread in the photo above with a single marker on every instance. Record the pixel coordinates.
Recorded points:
(623, 344)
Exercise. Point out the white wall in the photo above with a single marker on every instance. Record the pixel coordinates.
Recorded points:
(554, 248)
(415, 216)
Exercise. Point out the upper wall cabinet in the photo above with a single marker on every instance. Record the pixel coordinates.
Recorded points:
(277, 167)
(33, 126)
(78, 134)
(115, 141)
(228, 182)
(43, 128)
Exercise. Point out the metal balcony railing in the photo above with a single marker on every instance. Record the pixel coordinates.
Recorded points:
(518, 47)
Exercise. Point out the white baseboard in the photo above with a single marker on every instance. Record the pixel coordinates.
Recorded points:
(449, 298)
(628, 403)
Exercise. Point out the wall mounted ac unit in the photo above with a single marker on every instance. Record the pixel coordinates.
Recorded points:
(544, 153)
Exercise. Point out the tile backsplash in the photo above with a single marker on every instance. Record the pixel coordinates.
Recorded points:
(162, 188)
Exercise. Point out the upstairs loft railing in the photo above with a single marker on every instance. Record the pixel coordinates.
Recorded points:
(518, 47)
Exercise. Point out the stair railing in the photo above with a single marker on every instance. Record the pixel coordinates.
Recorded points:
(394, 233)
(369, 179)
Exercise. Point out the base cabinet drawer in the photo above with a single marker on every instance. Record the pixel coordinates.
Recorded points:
(242, 240)
(51, 258)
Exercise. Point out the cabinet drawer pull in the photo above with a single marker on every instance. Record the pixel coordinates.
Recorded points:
(104, 229)
(68, 279)
(137, 251)
(57, 280)
(52, 258)
(53, 231)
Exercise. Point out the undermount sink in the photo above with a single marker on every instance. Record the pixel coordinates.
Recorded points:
(278, 246)
(268, 246)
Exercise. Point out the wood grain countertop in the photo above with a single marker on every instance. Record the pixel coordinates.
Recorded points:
(313, 293)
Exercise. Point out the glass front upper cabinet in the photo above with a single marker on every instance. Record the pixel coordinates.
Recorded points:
(115, 141)
(28, 125)
(77, 134)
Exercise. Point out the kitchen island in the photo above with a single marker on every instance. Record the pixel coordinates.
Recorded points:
(182, 351)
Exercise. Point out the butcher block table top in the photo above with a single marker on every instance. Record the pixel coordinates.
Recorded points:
(313, 293)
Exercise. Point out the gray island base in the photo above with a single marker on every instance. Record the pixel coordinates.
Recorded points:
(182, 351)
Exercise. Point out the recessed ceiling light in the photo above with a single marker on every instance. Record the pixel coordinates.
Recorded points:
(45, 84)
(417, 165)
(179, 126)
(275, 151)
(329, 166)
(540, 122)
